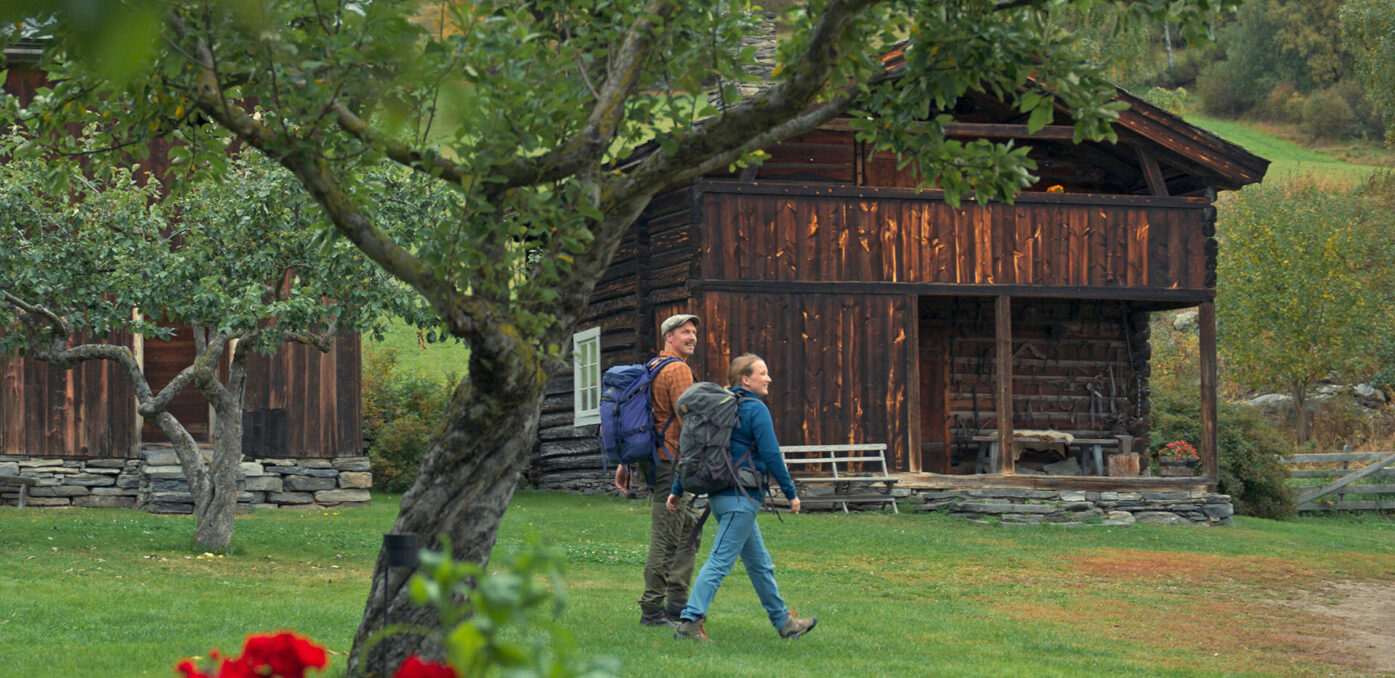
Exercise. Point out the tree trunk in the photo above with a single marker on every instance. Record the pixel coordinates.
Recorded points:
(466, 481)
(214, 510)
(1300, 398)
(201, 481)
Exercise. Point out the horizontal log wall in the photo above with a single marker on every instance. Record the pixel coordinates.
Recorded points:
(1078, 367)
(88, 411)
(842, 365)
(646, 282)
(320, 393)
(765, 232)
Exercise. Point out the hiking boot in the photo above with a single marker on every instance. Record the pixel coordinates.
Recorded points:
(656, 618)
(795, 627)
(692, 630)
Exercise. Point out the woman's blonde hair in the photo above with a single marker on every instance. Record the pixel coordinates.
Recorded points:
(741, 366)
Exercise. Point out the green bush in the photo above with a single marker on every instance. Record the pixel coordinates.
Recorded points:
(1218, 95)
(1384, 377)
(400, 414)
(1249, 450)
(1326, 115)
(1173, 101)
(1282, 104)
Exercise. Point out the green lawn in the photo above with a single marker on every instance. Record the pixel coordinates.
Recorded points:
(109, 592)
(415, 357)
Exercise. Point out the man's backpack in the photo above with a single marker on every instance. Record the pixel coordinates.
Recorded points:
(627, 415)
(709, 415)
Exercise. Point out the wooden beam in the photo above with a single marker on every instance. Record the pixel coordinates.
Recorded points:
(1172, 298)
(912, 373)
(1206, 320)
(979, 130)
(935, 195)
(1151, 172)
(1002, 325)
(990, 481)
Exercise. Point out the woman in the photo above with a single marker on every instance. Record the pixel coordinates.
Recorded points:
(735, 509)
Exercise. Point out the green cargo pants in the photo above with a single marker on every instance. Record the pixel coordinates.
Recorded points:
(668, 570)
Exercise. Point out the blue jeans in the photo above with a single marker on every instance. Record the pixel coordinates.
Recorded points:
(738, 535)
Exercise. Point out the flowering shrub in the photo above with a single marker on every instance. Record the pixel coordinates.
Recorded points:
(1179, 449)
(506, 620)
(416, 668)
(278, 655)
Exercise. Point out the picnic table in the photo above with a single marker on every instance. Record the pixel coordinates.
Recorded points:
(1087, 451)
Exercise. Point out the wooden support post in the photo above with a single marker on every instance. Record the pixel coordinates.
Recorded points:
(1003, 326)
(1151, 172)
(1206, 319)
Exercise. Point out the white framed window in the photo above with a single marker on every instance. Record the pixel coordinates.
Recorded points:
(586, 377)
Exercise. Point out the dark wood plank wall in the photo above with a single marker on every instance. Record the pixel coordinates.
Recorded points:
(646, 282)
(842, 365)
(320, 393)
(164, 359)
(773, 234)
(1078, 367)
(88, 411)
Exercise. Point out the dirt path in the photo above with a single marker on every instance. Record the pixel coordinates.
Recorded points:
(1364, 613)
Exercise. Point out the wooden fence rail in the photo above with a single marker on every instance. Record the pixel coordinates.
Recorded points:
(1349, 489)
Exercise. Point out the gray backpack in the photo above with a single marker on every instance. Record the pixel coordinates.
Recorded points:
(708, 412)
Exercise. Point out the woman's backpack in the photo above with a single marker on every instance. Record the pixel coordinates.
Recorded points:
(709, 414)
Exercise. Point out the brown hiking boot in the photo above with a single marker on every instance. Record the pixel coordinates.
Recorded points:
(692, 630)
(795, 627)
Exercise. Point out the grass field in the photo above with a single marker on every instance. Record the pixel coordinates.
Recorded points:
(415, 356)
(118, 593)
(1289, 159)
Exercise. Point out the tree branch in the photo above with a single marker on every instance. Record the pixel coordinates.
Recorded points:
(586, 146)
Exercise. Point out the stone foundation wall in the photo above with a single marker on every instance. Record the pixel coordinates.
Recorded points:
(156, 482)
(1076, 508)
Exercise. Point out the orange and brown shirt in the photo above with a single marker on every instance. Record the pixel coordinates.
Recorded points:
(668, 384)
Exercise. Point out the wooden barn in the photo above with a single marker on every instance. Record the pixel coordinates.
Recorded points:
(300, 403)
(888, 316)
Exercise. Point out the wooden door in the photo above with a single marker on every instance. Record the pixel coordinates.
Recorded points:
(164, 360)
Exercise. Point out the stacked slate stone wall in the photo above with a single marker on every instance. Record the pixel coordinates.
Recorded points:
(156, 482)
(1077, 508)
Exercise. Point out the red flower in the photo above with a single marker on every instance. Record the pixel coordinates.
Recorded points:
(285, 653)
(189, 670)
(416, 668)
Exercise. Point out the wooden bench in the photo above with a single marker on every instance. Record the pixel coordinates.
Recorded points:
(829, 465)
(23, 483)
(1085, 450)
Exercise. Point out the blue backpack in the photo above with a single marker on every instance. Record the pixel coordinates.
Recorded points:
(627, 416)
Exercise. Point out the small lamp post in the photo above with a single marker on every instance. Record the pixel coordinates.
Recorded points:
(401, 551)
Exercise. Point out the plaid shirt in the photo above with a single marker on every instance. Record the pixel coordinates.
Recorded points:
(668, 384)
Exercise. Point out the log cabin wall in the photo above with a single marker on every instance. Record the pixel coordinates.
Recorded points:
(88, 411)
(841, 364)
(1080, 367)
(647, 281)
(319, 392)
(865, 248)
(790, 233)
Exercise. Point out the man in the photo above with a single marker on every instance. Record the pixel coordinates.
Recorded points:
(668, 570)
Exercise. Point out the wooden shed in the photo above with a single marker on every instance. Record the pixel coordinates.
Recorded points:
(300, 403)
(888, 316)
